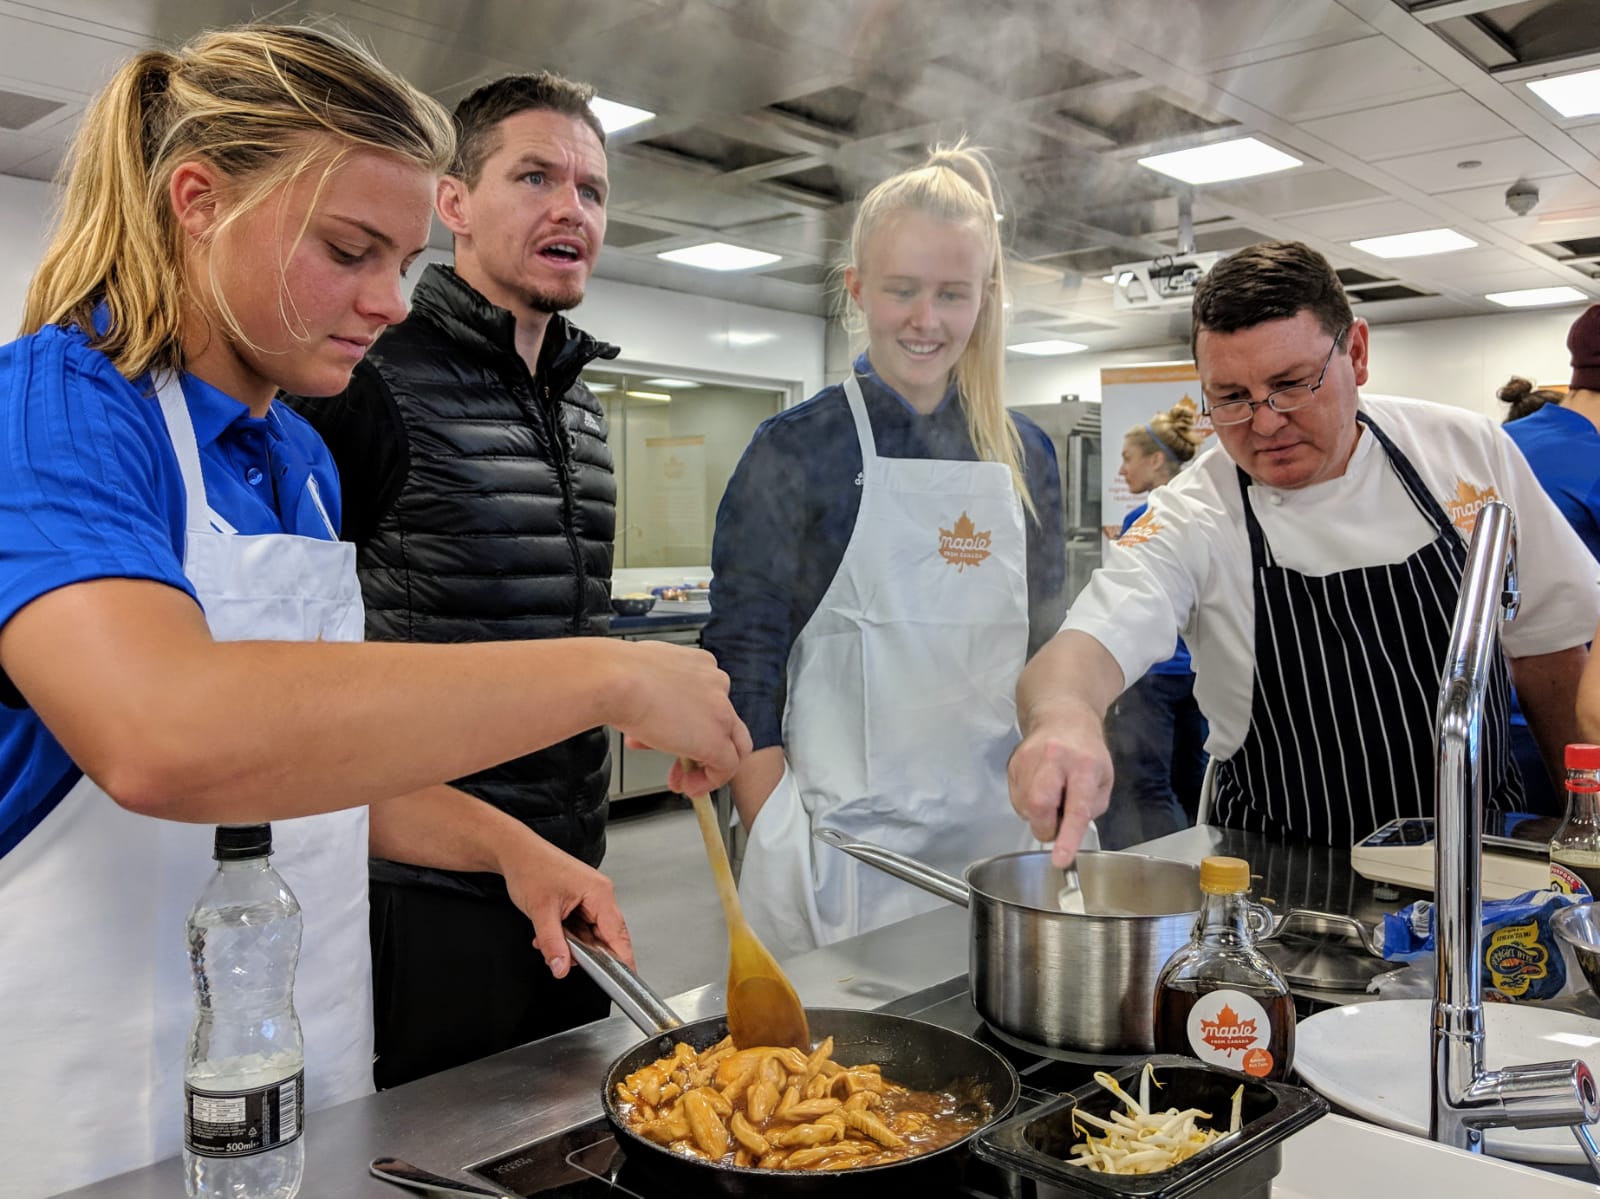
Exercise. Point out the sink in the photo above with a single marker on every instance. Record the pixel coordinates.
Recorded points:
(1338, 1157)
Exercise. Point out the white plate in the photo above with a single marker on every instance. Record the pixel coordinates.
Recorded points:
(1373, 1059)
(1336, 1158)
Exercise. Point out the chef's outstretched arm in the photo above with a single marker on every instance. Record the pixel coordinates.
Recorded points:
(448, 829)
(1060, 775)
(1549, 691)
(174, 724)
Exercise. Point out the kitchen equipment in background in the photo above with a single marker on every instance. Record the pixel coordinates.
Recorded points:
(1050, 980)
(919, 1055)
(1073, 427)
(1402, 852)
(1038, 1144)
(1373, 1059)
(632, 605)
(1325, 950)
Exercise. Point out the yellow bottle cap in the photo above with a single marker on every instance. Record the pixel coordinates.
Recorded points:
(1224, 876)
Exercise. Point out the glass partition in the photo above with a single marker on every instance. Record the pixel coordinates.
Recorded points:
(675, 441)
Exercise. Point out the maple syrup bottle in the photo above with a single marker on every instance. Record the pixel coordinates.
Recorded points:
(1219, 998)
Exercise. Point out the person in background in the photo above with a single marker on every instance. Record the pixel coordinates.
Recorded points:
(1155, 730)
(236, 220)
(1552, 443)
(1522, 398)
(480, 496)
(1562, 440)
(884, 555)
(1313, 567)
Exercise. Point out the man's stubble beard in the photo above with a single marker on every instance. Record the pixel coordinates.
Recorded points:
(550, 302)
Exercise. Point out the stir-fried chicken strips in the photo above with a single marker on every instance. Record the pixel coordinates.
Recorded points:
(779, 1108)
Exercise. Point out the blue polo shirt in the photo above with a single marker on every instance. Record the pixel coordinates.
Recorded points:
(1563, 448)
(1179, 663)
(90, 489)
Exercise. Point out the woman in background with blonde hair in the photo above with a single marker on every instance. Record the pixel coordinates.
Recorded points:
(236, 220)
(885, 555)
(1155, 731)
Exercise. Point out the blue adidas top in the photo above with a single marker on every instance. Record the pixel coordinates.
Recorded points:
(90, 488)
(1563, 448)
(1179, 662)
(790, 507)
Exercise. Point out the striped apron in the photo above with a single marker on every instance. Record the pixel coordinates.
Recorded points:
(1347, 673)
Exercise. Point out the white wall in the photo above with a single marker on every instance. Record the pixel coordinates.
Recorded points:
(25, 208)
(1461, 361)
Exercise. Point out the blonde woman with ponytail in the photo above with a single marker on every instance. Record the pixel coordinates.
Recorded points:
(1155, 730)
(236, 219)
(885, 554)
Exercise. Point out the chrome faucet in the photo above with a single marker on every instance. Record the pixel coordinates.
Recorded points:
(1467, 1098)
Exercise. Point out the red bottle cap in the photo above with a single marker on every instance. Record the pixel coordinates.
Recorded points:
(1583, 757)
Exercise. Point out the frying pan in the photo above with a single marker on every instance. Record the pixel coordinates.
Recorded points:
(914, 1053)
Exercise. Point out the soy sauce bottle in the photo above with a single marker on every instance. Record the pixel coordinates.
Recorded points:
(1575, 848)
(1219, 998)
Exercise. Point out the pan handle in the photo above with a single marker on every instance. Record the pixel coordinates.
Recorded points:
(918, 874)
(627, 990)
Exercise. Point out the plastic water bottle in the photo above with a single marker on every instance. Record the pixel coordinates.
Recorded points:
(243, 1083)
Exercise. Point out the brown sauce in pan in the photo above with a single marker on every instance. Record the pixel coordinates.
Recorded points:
(780, 1109)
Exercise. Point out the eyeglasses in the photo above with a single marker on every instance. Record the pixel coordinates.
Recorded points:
(1285, 399)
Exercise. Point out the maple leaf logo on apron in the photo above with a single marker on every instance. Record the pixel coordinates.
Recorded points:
(963, 546)
(1467, 502)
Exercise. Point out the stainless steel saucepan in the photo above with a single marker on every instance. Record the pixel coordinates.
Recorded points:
(1053, 979)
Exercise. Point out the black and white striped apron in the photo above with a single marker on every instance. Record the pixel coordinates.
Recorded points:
(1347, 672)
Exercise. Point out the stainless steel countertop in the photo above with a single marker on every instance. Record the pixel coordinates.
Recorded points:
(493, 1106)
(487, 1108)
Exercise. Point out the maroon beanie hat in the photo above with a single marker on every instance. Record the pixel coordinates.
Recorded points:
(1583, 339)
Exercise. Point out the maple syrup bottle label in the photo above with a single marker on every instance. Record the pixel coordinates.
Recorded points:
(1229, 1028)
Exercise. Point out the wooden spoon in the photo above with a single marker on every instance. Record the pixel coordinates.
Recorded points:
(763, 1008)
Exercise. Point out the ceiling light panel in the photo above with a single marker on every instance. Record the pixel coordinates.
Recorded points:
(1536, 297)
(615, 116)
(719, 256)
(1414, 245)
(1576, 95)
(1240, 158)
(1047, 348)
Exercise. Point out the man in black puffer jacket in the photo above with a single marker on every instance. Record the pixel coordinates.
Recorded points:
(478, 488)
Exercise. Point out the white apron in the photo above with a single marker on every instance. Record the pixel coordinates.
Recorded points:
(901, 706)
(95, 992)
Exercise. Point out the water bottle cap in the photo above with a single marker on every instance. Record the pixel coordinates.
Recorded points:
(236, 842)
(1224, 876)
(1583, 757)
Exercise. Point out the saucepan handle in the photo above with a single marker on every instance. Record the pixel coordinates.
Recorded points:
(918, 874)
(627, 990)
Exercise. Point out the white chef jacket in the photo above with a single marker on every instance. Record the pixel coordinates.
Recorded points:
(1184, 567)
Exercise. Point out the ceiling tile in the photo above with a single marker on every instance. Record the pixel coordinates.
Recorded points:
(1413, 127)
(1294, 191)
(1256, 29)
(1561, 194)
(1335, 79)
(1502, 162)
(1463, 266)
(1363, 220)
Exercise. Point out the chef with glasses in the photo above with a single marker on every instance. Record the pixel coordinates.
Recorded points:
(1312, 561)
